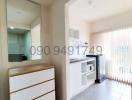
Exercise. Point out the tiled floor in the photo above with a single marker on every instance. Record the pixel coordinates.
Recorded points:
(107, 90)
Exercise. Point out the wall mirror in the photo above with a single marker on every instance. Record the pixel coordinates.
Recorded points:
(23, 29)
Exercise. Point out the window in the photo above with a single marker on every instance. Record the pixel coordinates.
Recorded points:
(117, 48)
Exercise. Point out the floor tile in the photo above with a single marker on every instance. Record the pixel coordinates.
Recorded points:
(107, 90)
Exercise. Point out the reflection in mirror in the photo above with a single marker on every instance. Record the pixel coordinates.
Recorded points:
(24, 29)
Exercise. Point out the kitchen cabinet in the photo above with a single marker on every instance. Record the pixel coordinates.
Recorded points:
(80, 77)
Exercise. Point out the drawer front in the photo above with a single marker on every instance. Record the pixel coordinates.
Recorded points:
(26, 80)
(33, 92)
(50, 96)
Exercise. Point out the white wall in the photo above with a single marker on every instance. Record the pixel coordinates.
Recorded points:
(36, 42)
(113, 22)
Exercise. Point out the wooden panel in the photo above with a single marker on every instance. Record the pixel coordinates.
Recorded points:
(34, 92)
(49, 96)
(28, 69)
(27, 80)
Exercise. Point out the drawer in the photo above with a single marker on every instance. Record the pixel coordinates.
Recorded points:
(33, 92)
(49, 96)
(26, 80)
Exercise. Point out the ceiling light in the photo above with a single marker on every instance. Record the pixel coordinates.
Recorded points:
(12, 27)
(90, 2)
(19, 12)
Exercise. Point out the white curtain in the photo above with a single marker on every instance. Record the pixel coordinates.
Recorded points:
(117, 48)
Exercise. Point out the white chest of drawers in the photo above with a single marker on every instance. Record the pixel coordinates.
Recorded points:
(32, 83)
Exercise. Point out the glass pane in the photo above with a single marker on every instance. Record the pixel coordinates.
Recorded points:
(24, 29)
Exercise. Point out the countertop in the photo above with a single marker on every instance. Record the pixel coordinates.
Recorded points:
(28, 69)
(81, 59)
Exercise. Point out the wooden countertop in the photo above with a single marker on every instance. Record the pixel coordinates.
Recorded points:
(28, 69)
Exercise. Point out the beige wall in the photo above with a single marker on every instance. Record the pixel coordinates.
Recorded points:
(59, 38)
(113, 22)
(82, 26)
(4, 95)
(4, 64)
(54, 32)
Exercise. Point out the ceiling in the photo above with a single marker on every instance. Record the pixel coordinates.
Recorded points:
(92, 10)
(22, 12)
(44, 2)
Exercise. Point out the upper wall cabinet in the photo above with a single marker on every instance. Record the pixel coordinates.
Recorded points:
(24, 30)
